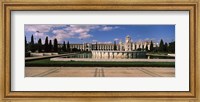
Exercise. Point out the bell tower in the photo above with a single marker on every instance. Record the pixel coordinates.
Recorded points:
(128, 39)
(128, 45)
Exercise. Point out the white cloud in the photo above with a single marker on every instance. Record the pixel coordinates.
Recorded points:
(108, 28)
(60, 35)
(39, 34)
(84, 35)
(41, 27)
(116, 39)
(81, 31)
(67, 31)
(73, 31)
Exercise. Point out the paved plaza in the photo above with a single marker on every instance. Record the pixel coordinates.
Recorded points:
(99, 72)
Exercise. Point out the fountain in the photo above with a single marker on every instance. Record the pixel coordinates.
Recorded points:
(98, 54)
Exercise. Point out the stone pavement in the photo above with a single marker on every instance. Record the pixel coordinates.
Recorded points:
(99, 72)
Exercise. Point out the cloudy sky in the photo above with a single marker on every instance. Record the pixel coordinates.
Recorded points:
(99, 33)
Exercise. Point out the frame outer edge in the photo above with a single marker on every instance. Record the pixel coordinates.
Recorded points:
(4, 40)
(198, 52)
(1, 52)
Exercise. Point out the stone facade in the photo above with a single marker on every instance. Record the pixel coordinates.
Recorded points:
(127, 46)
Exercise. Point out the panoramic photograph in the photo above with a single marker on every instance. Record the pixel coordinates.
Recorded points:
(94, 50)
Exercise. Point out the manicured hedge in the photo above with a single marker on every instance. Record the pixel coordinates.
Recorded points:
(48, 63)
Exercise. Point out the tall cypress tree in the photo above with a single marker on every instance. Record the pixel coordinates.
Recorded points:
(26, 47)
(32, 39)
(151, 46)
(64, 47)
(165, 47)
(68, 47)
(32, 47)
(40, 45)
(115, 46)
(46, 45)
(146, 49)
(161, 46)
(142, 47)
(50, 46)
(55, 45)
(171, 47)
(96, 45)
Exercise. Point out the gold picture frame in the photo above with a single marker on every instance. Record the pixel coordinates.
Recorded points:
(20, 5)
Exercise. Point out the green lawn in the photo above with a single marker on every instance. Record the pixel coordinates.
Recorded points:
(48, 63)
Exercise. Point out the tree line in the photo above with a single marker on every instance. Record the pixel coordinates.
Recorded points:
(48, 46)
(163, 47)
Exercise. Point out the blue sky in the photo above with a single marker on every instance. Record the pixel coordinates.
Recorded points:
(100, 33)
